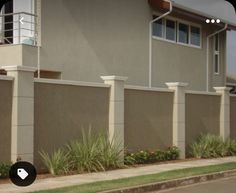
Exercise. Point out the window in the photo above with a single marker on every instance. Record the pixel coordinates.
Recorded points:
(177, 32)
(195, 36)
(170, 30)
(216, 58)
(8, 26)
(183, 33)
(158, 28)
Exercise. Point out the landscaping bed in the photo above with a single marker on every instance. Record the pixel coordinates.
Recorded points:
(94, 153)
(142, 180)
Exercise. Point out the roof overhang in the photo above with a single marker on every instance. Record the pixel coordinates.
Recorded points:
(162, 5)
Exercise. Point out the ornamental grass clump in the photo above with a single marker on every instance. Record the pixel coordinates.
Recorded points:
(92, 153)
(57, 163)
(212, 146)
(110, 153)
(84, 153)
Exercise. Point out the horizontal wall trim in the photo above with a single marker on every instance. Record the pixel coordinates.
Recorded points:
(233, 95)
(231, 84)
(71, 83)
(2, 77)
(142, 88)
(202, 93)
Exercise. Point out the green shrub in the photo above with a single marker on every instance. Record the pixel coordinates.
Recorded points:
(129, 159)
(172, 153)
(57, 163)
(4, 170)
(211, 146)
(146, 157)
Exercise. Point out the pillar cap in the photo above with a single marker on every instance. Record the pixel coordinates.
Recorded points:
(224, 88)
(176, 84)
(120, 78)
(19, 68)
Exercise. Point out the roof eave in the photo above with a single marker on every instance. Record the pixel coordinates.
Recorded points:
(202, 15)
(164, 5)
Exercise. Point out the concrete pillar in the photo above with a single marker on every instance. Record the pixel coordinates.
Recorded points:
(224, 111)
(116, 109)
(22, 130)
(179, 116)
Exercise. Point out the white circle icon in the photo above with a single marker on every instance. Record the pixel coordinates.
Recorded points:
(213, 21)
(218, 21)
(208, 21)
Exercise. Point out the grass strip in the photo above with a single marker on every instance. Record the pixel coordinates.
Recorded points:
(142, 180)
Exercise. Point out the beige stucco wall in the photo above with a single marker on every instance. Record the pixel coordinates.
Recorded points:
(232, 117)
(148, 120)
(177, 63)
(63, 111)
(86, 39)
(21, 55)
(217, 80)
(202, 116)
(5, 120)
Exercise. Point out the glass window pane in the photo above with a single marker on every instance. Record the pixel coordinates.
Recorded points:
(195, 36)
(183, 33)
(158, 28)
(170, 30)
(217, 63)
(217, 42)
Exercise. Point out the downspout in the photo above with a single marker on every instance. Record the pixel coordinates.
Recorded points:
(207, 58)
(39, 43)
(150, 39)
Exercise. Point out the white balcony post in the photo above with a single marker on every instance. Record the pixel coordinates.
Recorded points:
(116, 109)
(19, 29)
(179, 116)
(22, 129)
(224, 111)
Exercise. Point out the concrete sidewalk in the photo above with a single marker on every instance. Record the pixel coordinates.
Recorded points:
(59, 182)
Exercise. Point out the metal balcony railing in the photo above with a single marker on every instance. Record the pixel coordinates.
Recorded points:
(18, 28)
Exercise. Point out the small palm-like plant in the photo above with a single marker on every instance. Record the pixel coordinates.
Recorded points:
(84, 153)
(92, 153)
(57, 163)
(211, 146)
(110, 153)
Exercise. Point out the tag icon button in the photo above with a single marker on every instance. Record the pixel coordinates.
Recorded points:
(22, 174)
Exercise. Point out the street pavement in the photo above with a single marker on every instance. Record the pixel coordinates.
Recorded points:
(219, 186)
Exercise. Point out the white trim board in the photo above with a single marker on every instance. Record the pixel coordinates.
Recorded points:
(71, 83)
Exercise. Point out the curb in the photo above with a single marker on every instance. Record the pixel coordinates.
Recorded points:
(174, 183)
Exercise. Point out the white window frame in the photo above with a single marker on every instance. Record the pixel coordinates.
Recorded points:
(216, 53)
(177, 21)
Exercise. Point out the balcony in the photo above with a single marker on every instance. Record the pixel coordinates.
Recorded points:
(18, 28)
